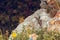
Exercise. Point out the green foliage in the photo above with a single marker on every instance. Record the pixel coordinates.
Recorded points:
(43, 34)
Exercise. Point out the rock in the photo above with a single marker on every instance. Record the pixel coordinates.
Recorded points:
(33, 20)
(54, 23)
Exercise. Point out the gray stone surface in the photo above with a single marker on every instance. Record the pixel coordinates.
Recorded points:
(32, 21)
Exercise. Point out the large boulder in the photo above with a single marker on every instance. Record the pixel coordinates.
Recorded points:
(54, 24)
(34, 21)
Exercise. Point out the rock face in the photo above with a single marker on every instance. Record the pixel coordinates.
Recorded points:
(40, 19)
(34, 20)
(54, 24)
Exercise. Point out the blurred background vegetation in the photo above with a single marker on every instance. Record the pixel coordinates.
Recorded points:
(11, 12)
